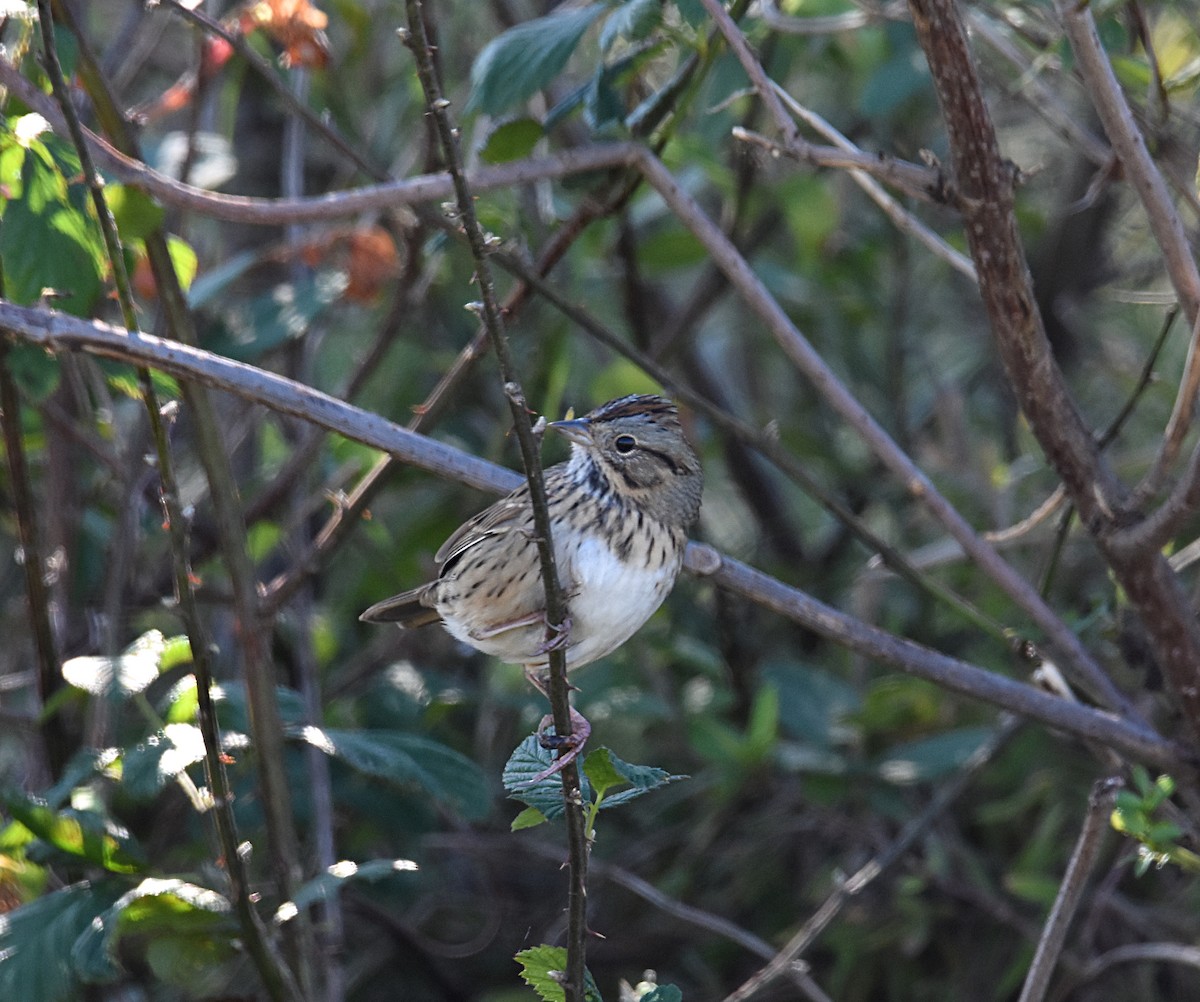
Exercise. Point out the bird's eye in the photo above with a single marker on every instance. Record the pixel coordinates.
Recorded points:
(625, 444)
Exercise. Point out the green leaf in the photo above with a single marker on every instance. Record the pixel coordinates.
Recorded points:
(37, 941)
(137, 215)
(269, 320)
(531, 817)
(47, 242)
(511, 141)
(634, 19)
(527, 760)
(201, 966)
(812, 703)
(327, 884)
(541, 966)
(156, 907)
(928, 758)
(599, 768)
(602, 104)
(183, 257)
(33, 368)
(78, 833)
(150, 764)
(524, 59)
(663, 993)
(642, 778)
(692, 11)
(407, 759)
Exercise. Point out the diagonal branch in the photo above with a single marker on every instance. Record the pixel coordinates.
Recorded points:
(59, 332)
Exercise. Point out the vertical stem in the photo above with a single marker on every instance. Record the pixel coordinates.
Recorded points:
(265, 722)
(46, 649)
(276, 978)
(556, 611)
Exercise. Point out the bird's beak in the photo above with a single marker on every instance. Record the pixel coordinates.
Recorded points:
(577, 430)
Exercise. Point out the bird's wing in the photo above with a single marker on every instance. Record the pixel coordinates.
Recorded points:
(506, 515)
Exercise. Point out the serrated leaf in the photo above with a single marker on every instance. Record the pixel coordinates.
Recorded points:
(406, 758)
(599, 768)
(327, 884)
(78, 833)
(541, 966)
(634, 19)
(129, 672)
(531, 817)
(527, 760)
(37, 940)
(525, 58)
(511, 141)
(642, 778)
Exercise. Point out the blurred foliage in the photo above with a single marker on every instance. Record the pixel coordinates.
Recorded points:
(803, 761)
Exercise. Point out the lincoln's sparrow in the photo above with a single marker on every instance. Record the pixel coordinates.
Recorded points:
(620, 510)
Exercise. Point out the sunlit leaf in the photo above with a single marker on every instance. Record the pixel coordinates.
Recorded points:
(129, 672)
(78, 833)
(49, 245)
(542, 968)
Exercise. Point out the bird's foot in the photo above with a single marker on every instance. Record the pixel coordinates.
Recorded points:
(557, 636)
(568, 746)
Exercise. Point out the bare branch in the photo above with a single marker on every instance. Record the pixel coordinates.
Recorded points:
(1083, 860)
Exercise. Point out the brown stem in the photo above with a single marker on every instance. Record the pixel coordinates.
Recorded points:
(985, 182)
(1083, 860)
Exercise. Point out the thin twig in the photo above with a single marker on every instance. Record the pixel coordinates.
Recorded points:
(783, 960)
(556, 607)
(1070, 892)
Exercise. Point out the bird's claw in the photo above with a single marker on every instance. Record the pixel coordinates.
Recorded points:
(568, 746)
(558, 634)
